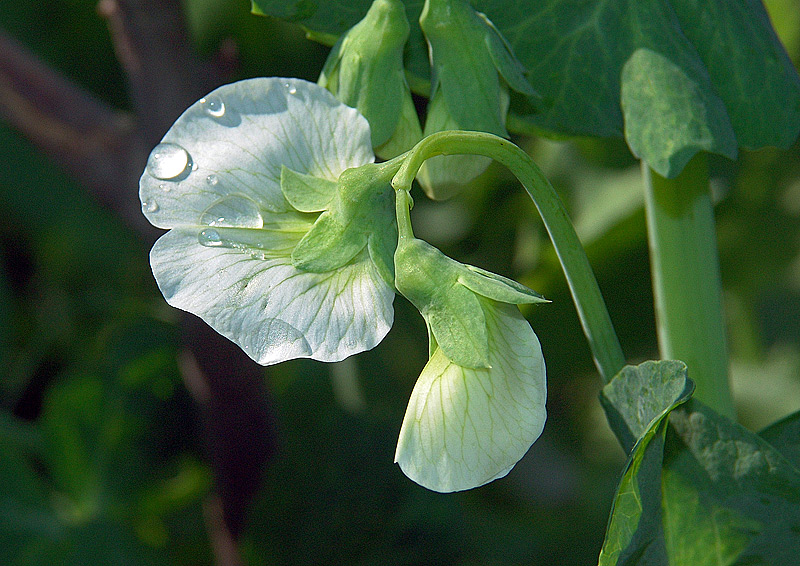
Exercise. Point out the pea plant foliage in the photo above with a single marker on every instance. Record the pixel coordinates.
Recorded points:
(289, 237)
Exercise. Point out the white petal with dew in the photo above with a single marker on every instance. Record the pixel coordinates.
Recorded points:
(466, 427)
(273, 311)
(232, 144)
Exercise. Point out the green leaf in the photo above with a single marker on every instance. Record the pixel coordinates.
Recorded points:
(574, 54)
(640, 396)
(671, 113)
(784, 435)
(720, 487)
(637, 401)
(748, 66)
(306, 193)
(727, 488)
(633, 535)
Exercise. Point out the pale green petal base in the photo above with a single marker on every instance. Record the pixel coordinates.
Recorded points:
(466, 427)
(273, 311)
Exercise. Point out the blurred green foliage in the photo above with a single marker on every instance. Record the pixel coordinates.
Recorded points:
(101, 455)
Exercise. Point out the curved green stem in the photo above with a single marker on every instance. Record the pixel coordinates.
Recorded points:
(603, 341)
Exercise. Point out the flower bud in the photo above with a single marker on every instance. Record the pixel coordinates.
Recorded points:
(365, 70)
(472, 68)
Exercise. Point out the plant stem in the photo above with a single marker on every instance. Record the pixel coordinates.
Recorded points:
(607, 353)
(686, 280)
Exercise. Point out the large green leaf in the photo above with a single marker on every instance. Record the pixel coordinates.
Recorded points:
(637, 402)
(726, 488)
(639, 397)
(732, 78)
(706, 493)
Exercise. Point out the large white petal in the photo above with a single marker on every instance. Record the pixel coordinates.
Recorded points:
(466, 427)
(269, 308)
(221, 160)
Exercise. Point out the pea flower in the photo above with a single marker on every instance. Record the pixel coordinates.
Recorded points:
(472, 68)
(479, 403)
(224, 181)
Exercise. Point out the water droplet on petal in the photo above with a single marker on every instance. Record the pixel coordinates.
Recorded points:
(210, 238)
(168, 161)
(236, 211)
(212, 180)
(150, 206)
(164, 187)
(213, 106)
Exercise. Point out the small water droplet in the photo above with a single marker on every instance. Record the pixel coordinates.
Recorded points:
(213, 106)
(237, 211)
(210, 238)
(212, 180)
(150, 206)
(164, 187)
(168, 161)
(292, 90)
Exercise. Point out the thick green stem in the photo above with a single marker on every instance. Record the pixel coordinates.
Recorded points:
(686, 281)
(608, 356)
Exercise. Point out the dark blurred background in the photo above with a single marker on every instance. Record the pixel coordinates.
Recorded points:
(131, 434)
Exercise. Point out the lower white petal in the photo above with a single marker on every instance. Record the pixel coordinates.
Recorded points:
(466, 427)
(273, 311)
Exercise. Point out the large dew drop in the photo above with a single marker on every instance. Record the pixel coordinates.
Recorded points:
(213, 106)
(168, 161)
(234, 211)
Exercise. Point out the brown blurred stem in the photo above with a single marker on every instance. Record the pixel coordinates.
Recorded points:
(106, 150)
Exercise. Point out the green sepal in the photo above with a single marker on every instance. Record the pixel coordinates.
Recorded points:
(430, 280)
(328, 245)
(381, 246)
(497, 287)
(506, 63)
(432, 344)
(365, 69)
(469, 57)
(306, 193)
(362, 209)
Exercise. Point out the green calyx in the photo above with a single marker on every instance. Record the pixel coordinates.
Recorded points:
(451, 296)
(357, 212)
(365, 70)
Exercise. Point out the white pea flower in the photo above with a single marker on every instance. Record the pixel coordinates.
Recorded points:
(215, 182)
(479, 403)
